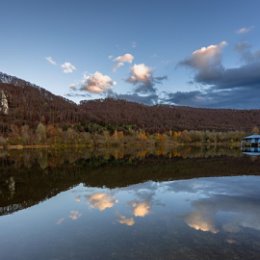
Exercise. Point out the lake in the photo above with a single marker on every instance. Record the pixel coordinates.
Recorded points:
(78, 204)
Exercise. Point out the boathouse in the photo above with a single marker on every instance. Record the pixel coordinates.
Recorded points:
(251, 141)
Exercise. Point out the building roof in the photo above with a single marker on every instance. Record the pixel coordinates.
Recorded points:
(252, 137)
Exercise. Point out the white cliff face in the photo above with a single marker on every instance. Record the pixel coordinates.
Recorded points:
(4, 108)
(7, 79)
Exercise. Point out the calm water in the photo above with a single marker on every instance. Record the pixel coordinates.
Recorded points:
(56, 207)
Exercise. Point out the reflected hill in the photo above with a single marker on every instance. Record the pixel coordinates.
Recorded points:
(30, 177)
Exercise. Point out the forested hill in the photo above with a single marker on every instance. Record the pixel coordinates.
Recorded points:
(29, 104)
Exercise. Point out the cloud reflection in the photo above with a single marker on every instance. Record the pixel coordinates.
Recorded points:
(75, 215)
(200, 221)
(141, 209)
(126, 221)
(101, 201)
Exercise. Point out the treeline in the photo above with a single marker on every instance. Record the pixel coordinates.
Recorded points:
(95, 135)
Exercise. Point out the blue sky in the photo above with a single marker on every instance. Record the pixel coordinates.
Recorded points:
(145, 51)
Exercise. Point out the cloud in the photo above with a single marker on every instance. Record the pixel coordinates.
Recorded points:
(150, 99)
(222, 87)
(60, 221)
(142, 77)
(206, 59)
(101, 201)
(244, 30)
(73, 86)
(126, 221)
(77, 199)
(75, 215)
(68, 67)
(141, 209)
(78, 95)
(121, 60)
(144, 81)
(247, 56)
(51, 60)
(134, 45)
(140, 73)
(201, 221)
(97, 83)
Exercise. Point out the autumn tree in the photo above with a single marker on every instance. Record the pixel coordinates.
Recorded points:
(41, 133)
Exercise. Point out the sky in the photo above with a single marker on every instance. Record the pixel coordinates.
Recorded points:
(195, 53)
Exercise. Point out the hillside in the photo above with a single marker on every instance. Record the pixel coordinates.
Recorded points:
(30, 104)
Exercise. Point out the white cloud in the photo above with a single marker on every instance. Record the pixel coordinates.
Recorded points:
(51, 60)
(97, 83)
(244, 30)
(206, 56)
(68, 67)
(121, 60)
(140, 73)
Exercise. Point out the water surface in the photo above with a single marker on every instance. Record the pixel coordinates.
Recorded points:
(156, 208)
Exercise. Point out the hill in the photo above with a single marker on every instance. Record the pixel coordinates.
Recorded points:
(30, 104)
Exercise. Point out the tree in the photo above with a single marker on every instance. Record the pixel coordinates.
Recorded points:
(25, 134)
(40, 133)
(255, 130)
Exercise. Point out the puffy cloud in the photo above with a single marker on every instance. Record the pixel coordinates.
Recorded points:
(68, 67)
(142, 76)
(51, 60)
(140, 73)
(126, 221)
(244, 30)
(97, 83)
(101, 201)
(141, 209)
(145, 91)
(121, 60)
(205, 58)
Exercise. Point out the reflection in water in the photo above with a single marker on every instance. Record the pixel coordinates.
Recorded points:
(74, 215)
(77, 199)
(101, 201)
(150, 220)
(201, 221)
(251, 151)
(140, 209)
(60, 221)
(126, 221)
